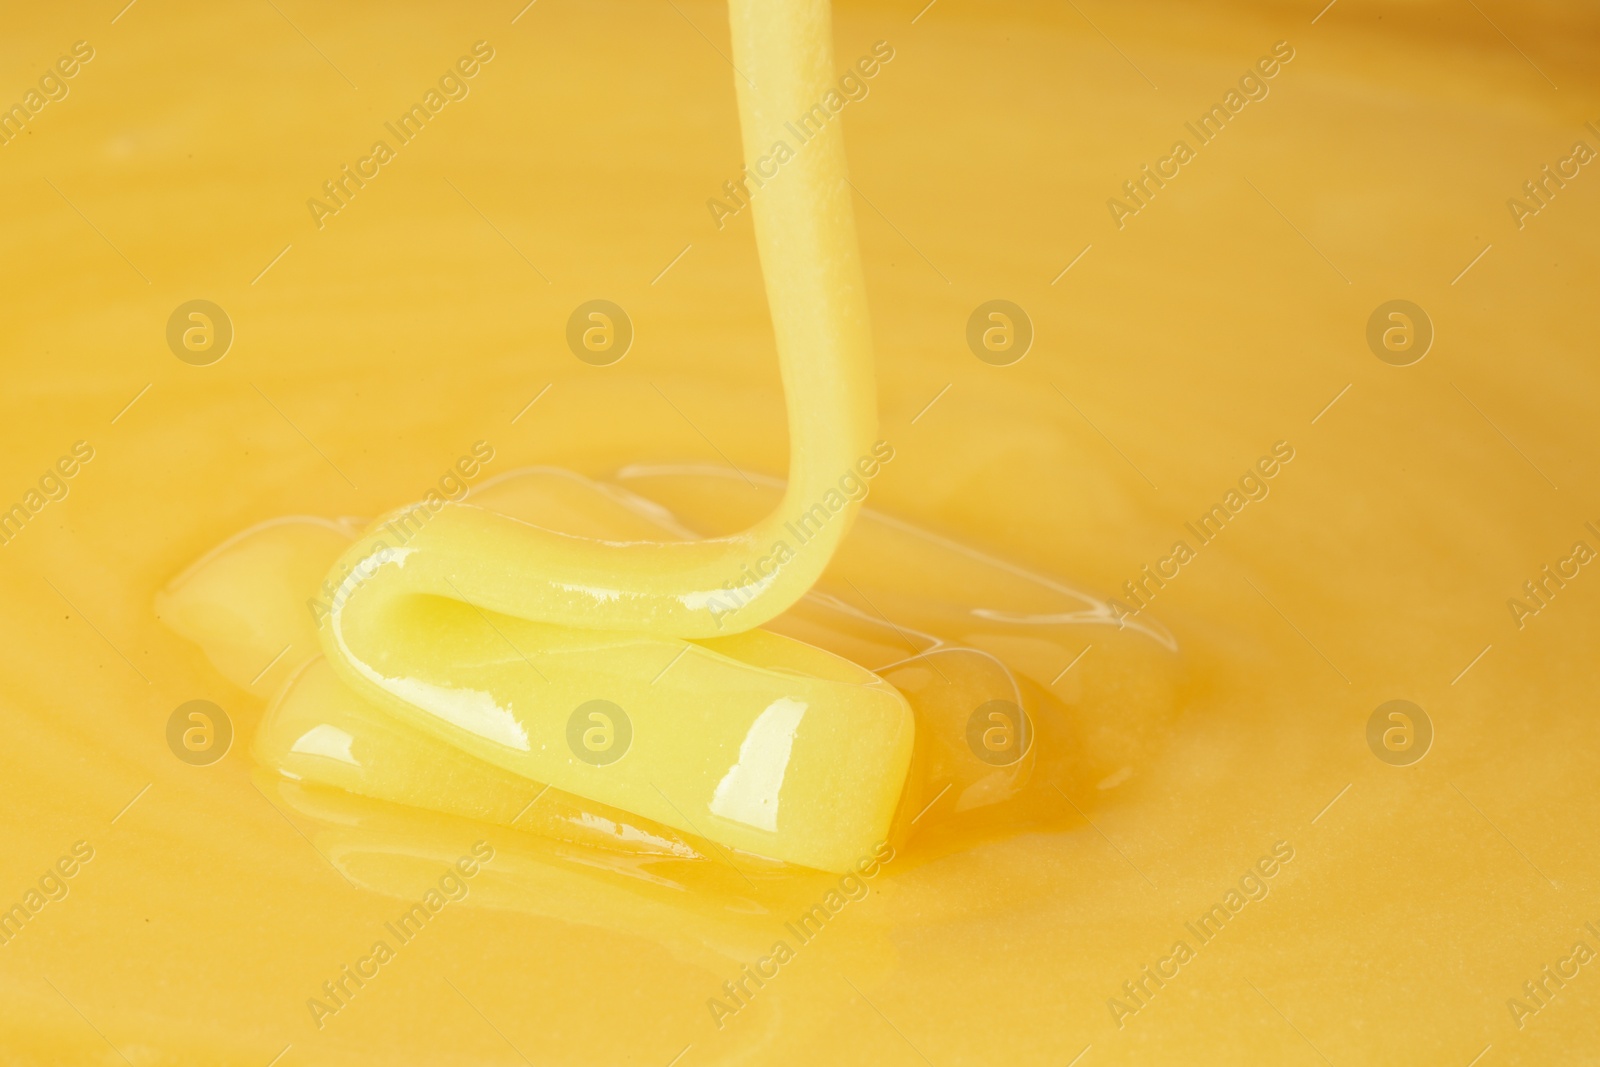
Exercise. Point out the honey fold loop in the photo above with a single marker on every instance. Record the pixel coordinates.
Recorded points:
(492, 632)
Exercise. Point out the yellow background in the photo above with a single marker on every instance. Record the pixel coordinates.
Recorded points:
(1213, 325)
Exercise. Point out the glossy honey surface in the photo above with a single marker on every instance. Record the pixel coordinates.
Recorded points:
(1391, 528)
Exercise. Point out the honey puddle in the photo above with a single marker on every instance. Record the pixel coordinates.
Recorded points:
(1219, 846)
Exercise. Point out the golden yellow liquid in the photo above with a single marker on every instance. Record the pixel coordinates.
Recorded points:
(1176, 352)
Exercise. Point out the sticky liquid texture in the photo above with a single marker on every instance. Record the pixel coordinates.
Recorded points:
(485, 625)
(1212, 753)
(424, 607)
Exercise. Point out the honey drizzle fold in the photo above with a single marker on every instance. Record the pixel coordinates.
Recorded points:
(819, 748)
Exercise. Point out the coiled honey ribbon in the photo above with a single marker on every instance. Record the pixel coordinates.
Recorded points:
(491, 632)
